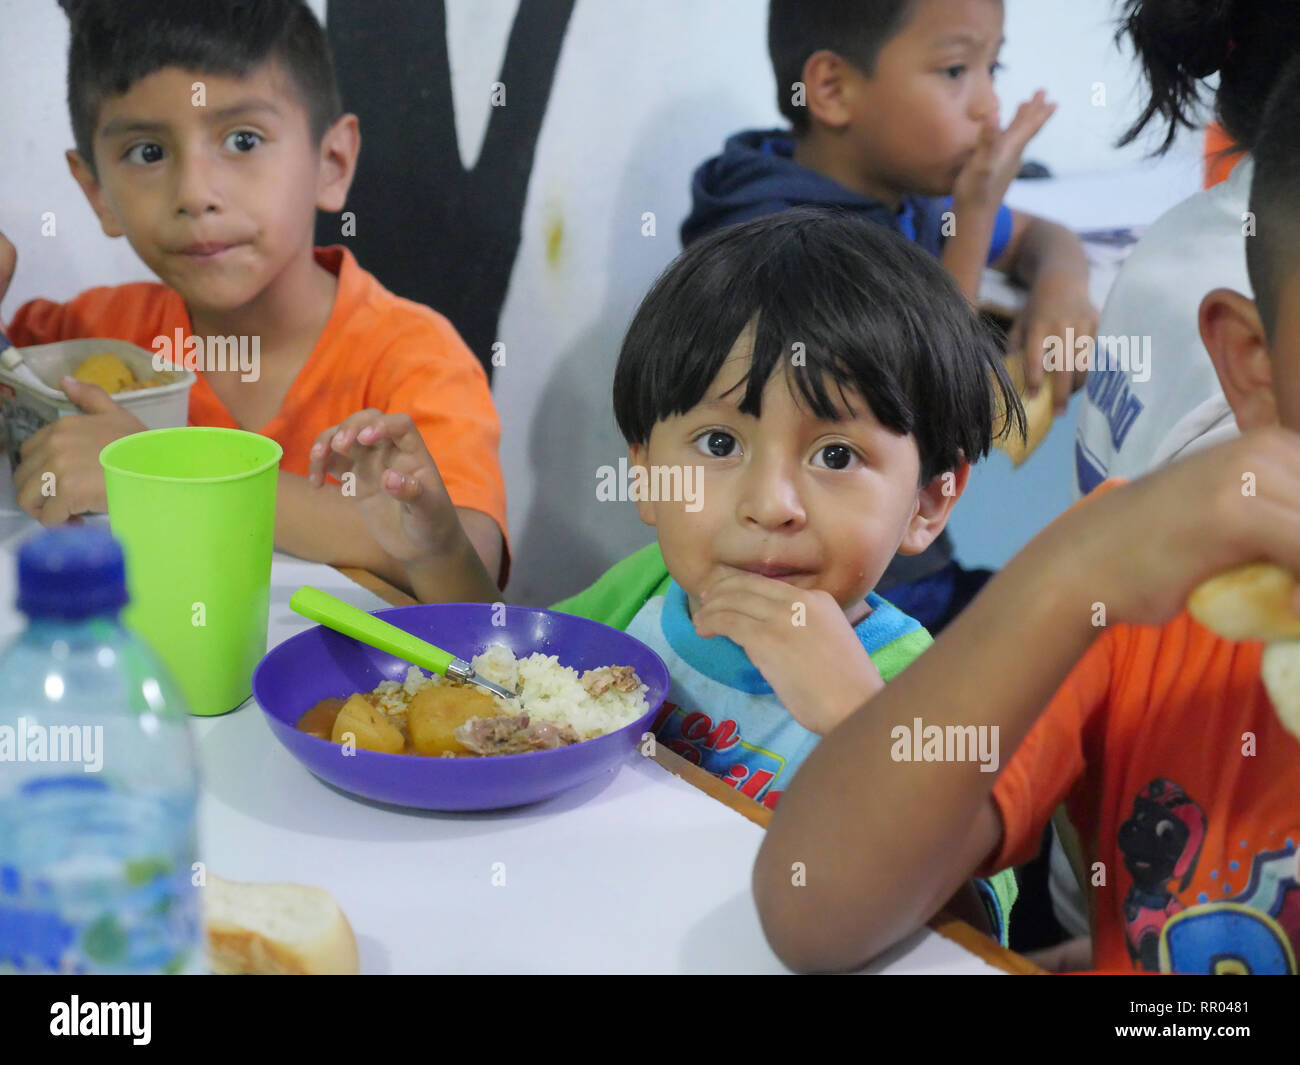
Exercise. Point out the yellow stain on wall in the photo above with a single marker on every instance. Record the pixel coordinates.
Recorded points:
(554, 239)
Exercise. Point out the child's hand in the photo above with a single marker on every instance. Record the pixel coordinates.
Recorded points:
(1139, 550)
(69, 449)
(1057, 304)
(798, 639)
(398, 488)
(984, 180)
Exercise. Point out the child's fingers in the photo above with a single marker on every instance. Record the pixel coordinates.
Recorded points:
(1030, 118)
(402, 486)
(345, 433)
(333, 465)
(734, 625)
(747, 583)
(401, 430)
(1034, 334)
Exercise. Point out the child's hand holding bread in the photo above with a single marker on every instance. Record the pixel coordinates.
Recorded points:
(1142, 548)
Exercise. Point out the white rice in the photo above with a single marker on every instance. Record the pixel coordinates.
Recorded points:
(547, 690)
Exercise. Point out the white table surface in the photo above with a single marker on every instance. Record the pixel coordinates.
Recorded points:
(636, 871)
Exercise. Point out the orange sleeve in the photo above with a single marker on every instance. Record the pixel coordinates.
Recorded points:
(134, 312)
(448, 398)
(1051, 759)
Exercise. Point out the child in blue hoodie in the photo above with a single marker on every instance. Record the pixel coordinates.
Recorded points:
(894, 117)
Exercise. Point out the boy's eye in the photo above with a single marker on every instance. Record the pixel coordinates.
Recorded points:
(144, 154)
(243, 140)
(955, 72)
(993, 70)
(834, 457)
(717, 443)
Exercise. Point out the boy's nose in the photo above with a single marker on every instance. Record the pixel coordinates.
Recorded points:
(196, 193)
(770, 499)
(984, 102)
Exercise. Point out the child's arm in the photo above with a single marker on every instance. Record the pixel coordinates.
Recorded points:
(1048, 259)
(978, 192)
(884, 843)
(323, 525)
(395, 500)
(1045, 257)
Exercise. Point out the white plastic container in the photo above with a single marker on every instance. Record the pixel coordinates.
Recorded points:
(27, 407)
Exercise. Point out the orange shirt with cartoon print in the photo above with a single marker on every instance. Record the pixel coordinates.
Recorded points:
(1185, 790)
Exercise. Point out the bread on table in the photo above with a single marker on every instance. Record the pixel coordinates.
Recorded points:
(276, 929)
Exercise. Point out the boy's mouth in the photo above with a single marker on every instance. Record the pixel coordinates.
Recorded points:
(206, 251)
(774, 570)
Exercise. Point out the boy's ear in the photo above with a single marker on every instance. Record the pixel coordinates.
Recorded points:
(85, 177)
(826, 78)
(637, 455)
(339, 148)
(934, 503)
(1238, 345)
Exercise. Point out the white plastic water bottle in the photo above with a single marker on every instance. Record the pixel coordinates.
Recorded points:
(98, 782)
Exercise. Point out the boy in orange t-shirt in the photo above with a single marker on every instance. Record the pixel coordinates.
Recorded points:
(209, 136)
(1160, 737)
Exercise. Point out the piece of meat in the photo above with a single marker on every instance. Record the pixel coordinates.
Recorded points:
(620, 678)
(513, 735)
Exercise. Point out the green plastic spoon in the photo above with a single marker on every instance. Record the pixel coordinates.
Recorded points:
(343, 617)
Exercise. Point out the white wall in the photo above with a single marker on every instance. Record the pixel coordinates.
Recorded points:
(644, 91)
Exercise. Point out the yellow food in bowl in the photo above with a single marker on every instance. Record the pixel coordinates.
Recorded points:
(111, 374)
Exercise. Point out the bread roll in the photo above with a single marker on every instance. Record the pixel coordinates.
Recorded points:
(1248, 603)
(276, 929)
(1280, 672)
(1038, 414)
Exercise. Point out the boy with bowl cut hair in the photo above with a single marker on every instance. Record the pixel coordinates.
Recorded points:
(209, 135)
(1177, 764)
(832, 386)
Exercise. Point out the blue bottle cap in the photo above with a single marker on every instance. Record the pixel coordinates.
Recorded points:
(71, 572)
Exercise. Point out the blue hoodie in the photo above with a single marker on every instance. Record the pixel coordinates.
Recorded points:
(756, 175)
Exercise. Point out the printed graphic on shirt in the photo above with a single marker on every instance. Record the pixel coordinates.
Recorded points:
(1111, 393)
(719, 749)
(1256, 930)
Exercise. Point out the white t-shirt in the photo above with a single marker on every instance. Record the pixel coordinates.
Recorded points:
(1159, 370)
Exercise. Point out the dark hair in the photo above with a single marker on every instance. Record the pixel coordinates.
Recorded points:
(854, 29)
(876, 316)
(1180, 43)
(115, 43)
(1275, 197)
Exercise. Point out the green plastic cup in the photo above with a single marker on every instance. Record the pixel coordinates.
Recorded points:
(194, 510)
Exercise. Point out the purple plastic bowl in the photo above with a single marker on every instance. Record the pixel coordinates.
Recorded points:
(321, 663)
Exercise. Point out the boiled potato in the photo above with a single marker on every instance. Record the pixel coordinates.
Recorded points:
(106, 370)
(370, 729)
(437, 711)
